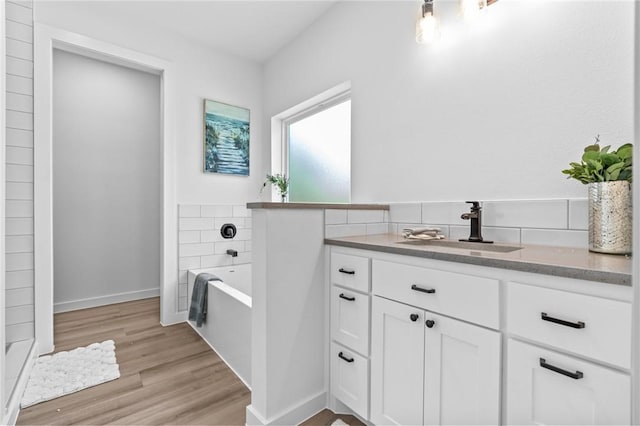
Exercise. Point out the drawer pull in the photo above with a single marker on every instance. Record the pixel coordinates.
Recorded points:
(340, 355)
(347, 271)
(423, 290)
(546, 317)
(577, 375)
(350, 299)
(430, 323)
(414, 317)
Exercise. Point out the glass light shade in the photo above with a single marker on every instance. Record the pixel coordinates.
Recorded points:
(427, 29)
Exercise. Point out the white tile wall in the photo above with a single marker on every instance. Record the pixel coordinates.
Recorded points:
(579, 214)
(406, 212)
(555, 237)
(202, 246)
(343, 223)
(526, 214)
(19, 171)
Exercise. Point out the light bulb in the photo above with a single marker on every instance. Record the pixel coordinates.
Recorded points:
(427, 29)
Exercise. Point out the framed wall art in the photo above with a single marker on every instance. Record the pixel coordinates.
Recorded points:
(226, 138)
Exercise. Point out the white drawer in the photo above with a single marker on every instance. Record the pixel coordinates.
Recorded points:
(350, 319)
(350, 379)
(587, 325)
(474, 299)
(350, 271)
(588, 395)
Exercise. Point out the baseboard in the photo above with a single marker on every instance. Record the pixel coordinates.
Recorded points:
(13, 406)
(292, 416)
(92, 302)
(176, 318)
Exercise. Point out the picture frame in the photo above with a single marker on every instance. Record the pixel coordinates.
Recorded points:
(226, 145)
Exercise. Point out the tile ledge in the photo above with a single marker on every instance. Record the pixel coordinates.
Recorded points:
(321, 206)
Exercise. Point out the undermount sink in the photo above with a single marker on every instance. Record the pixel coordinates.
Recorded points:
(462, 245)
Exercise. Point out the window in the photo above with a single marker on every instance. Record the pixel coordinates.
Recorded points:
(318, 153)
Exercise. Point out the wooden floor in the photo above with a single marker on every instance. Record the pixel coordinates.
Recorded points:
(168, 375)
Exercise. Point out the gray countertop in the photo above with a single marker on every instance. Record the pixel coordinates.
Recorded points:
(558, 261)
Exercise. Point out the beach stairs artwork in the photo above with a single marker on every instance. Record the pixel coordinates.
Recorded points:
(226, 145)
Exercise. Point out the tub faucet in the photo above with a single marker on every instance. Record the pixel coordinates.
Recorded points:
(476, 223)
(232, 252)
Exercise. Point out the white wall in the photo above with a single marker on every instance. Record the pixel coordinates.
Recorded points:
(200, 72)
(496, 113)
(106, 182)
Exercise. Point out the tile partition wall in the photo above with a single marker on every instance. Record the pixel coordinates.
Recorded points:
(560, 222)
(202, 246)
(19, 171)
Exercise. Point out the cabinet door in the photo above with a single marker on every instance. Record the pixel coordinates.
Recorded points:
(540, 392)
(462, 373)
(397, 359)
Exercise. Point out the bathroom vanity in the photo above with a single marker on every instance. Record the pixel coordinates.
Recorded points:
(430, 335)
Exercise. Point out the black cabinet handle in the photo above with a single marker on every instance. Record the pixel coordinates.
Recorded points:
(414, 317)
(577, 375)
(423, 290)
(340, 355)
(430, 323)
(546, 317)
(350, 299)
(347, 271)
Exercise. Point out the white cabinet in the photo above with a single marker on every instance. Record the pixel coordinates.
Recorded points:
(431, 369)
(547, 388)
(350, 319)
(349, 378)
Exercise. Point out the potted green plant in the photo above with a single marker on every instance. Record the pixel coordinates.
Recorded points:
(608, 175)
(281, 182)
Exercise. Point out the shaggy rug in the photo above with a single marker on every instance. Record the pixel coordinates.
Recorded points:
(67, 372)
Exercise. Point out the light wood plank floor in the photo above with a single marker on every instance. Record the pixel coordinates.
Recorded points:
(168, 375)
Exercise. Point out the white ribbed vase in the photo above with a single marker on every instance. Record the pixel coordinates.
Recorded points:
(610, 217)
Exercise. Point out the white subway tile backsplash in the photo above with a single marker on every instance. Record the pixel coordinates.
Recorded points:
(18, 261)
(19, 332)
(405, 213)
(526, 214)
(19, 13)
(377, 228)
(19, 138)
(19, 173)
(222, 246)
(247, 246)
(19, 244)
(241, 211)
(182, 290)
(365, 216)
(210, 236)
(196, 224)
(336, 231)
(19, 226)
(18, 102)
(19, 49)
(19, 120)
(19, 191)
(19, 279)
(19, 67)
(186, 210)
(501, 235)
(183, 277)
(556, 238)
(19, 314)
(19, 31)
(579, 214)
(19, 297)
(216, 211)
(237, 221)
(444, 212)
(186, 263)
(201, 249)
(19, 155)
(182, 304)
(393, 228)
(23, 3)
(19, 208)
(215, 260)
(19, 84)
(242, 258)
(335, 217)
(243, 234)
(457, 232)
(185, 237)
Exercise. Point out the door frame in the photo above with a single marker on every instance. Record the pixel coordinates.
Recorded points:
(46, 38)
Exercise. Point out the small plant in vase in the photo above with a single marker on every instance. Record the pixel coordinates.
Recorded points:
(281, 182)
(608, 174)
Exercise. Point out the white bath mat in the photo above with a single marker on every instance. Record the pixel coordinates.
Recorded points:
(339, 422)
(65, 372)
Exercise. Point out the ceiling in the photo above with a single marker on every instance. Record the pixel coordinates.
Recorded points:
(252, 29)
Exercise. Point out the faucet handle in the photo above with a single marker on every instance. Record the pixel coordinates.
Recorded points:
(476, 204)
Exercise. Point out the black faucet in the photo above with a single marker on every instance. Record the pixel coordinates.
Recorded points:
(476, 223)
(232, 252)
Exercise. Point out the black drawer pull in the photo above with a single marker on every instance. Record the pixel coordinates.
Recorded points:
(340, 355)
(347, 271)
(577, 375)
(414, 317)
(423, 290)
(546, 317)
(350, 299)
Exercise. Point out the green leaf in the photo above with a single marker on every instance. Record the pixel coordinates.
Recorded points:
(594, 147)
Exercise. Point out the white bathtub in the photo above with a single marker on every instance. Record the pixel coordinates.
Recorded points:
(228, 326)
